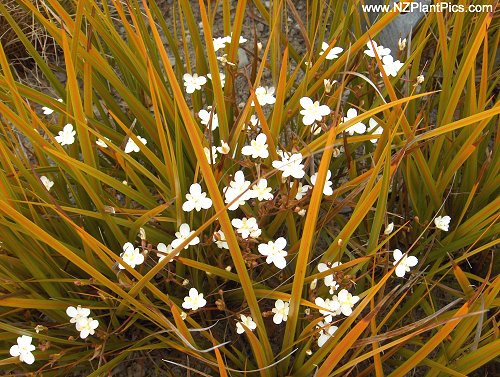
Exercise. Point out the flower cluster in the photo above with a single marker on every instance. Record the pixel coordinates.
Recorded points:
(80, 317)
(390, 66)
(329, 280)
(247, 227)
(342, 303)
(290, 165)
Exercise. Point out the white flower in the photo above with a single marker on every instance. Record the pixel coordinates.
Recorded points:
(224, 147)
(391, 66)
(67, 135)
(325, 333)
(302, 212)
(301, 190)
(381, 50)
(194, 301)
(237, 187)
(247, 227)
(23, 349)
(183, 233)
(254, 121)
(359, 127)
(274, 252)
(222, 78)
(48, 110)
(333, 53)
(131, 146)
(46, 182)
(132, 256)
(257, 147)
(313, 111)
(196, 199)
(229, 38)
(420, 79)
(442, 222)
(219, 43)
(220, 239)
(211, 157)
(372, 127)
(100, 142)
(264, 95)
(76, 313)
(194, 82)
(164, 250)
(346, 301)
(330, 309)
(405, 262)
(260, 191)
(290, 165)
(86, 326)
(280, 311)
(205, 119)
(247, 322)
(327, 188)
(329, 280)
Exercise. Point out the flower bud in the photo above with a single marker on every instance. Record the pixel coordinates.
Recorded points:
(328, 85)
(314, 283)
(388, 230)
(402, 44)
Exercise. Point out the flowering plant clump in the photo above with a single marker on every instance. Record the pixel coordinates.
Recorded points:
(249, 185)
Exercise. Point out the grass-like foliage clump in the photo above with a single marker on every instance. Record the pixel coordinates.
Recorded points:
(248, 188)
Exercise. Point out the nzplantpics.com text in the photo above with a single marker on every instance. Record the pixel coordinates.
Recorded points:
(406, 7)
